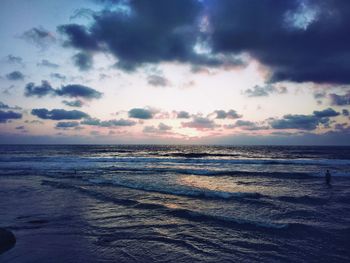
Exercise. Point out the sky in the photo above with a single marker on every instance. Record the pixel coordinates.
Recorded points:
(175, 72)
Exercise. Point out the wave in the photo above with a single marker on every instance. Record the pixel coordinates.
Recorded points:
(256, 161)
(65, 169)
(308, 200)
(211, 194)
(198, 155)
(196, 216)
(215, 173)
(199, 216)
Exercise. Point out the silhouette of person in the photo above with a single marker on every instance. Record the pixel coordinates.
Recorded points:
(328, 177)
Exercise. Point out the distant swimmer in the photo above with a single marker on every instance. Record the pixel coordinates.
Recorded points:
(328, 177)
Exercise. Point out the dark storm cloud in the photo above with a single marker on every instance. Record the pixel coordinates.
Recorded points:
(326, 113)
(74, 103)
(154, 31)
(340, 100)
(72, 91)
(47, 63)
(15, 75)
(263, 91)
(231, 114)
(108, 123)
(5, 116)
(139, 113)
(157, 81)
(39, 36)
(295, 45)
(83, 61)
(298, 40)
(183, 115)
(79, 37)
(67, 124)
(59, 114)
(200, 123)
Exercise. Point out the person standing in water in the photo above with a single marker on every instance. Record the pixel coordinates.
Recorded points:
(328, 177)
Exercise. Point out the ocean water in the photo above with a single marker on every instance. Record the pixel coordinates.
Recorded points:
(148, 203)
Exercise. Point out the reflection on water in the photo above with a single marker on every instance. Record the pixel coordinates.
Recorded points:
(175, 203)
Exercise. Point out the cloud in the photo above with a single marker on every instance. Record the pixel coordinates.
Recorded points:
(157, 81)
(295, 47)
(58, 76)
(34, 122)
(164, 127)
(78, 37)
(263, 91)
(139, 113)
(76, 90)
(74, 103)
(67, 124)
(95, 133)
(319, 94)
(200, 123)
(153, 31)
(44, 89)
(304, 122)
(15, 75)
(7, 91)
(82, 13)
(183, 115)
(231, 114)
(340, 100)
(343, 128)
(247, 125)
(4, 106)
(161, 129)
(326, 113)
(39, 36)
(83, 61)
(108, 123)
(14, 60)
(71, 91)
(46, 63)
(59, 114)
(5, 116)
(7, 107)
(298, 41)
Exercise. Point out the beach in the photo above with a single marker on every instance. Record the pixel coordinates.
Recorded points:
(175, 203)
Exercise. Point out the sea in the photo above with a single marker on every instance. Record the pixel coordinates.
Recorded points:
(175, 203)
